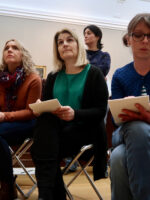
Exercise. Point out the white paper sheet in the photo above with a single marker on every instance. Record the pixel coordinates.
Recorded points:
(45, 106)
(116, 105)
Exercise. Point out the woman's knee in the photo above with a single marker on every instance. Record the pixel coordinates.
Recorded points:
(117, 139)
(118, 157)
(136, 130)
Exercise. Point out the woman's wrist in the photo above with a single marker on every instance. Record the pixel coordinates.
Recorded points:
(2, 116)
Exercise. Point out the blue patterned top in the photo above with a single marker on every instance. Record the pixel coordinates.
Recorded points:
(99, 59)
(127, 82)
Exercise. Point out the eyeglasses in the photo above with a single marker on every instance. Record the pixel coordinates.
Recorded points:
(140, 36)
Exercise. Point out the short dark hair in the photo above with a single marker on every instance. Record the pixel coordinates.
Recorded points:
(97, 32)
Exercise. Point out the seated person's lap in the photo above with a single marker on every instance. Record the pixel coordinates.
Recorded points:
(16, 132)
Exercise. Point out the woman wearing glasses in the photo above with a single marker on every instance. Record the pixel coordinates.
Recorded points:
(130, 159)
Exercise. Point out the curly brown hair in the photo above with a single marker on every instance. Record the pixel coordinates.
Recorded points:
(27, 61)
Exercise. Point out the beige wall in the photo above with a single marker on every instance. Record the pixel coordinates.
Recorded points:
(37, 37)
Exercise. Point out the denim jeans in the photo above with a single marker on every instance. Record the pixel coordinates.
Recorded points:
(11, 133)
(130, 162)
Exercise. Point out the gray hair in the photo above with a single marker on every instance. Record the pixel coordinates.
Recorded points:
(141, 17)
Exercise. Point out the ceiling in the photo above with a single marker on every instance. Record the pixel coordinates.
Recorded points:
(107, 13)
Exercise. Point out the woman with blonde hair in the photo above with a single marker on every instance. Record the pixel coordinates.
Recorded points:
(82, 92)
(19, 86)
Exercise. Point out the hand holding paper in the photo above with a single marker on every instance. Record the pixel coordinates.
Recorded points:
(142, 115)
(65, 113)
(45, 106)
(129, 105)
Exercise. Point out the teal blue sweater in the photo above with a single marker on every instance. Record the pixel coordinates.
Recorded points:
(127, 82)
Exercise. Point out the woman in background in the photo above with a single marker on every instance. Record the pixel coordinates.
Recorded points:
(98, 58)
(130, 159)
(79, 121)
(19, 86)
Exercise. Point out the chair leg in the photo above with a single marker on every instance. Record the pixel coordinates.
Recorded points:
(83, 169)
(92, 184)
(16, 159)
(80, 171)
(26, 195)
(68, 193)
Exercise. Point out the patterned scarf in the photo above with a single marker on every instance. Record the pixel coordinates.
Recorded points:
(11, 83)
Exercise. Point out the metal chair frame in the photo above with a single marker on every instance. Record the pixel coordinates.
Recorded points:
(82, 170)
(16, 158)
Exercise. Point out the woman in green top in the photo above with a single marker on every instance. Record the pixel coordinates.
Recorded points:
(82, 92)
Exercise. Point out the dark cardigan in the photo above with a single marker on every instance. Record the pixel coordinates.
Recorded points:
(93, 110)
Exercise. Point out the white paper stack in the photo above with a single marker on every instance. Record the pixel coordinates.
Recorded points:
(116, 105)
(45, 106)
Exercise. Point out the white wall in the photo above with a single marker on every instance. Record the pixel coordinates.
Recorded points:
(37, 37)
(103, 12)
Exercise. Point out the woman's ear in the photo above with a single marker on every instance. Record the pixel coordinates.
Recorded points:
(98, 38)
(128, 40)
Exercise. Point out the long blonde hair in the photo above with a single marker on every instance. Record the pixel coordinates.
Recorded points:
(58, 62)
(27, 61)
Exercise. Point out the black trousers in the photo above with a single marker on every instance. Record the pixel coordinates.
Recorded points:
(55, 139)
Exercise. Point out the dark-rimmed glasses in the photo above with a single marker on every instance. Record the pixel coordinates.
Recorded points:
(139, 36)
